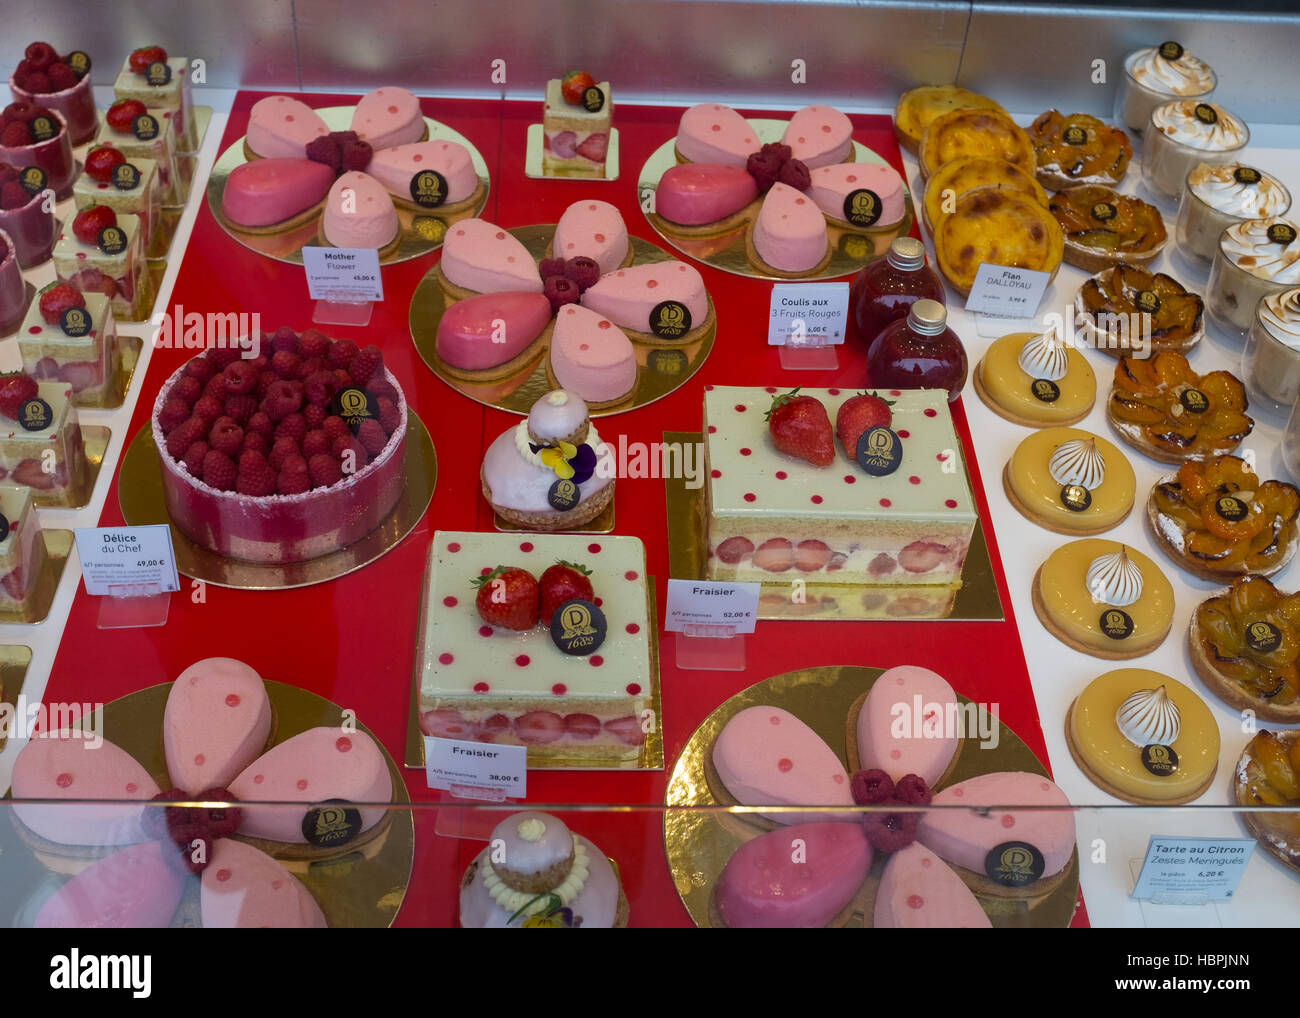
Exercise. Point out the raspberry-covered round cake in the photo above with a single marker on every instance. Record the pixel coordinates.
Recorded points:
(286, 456)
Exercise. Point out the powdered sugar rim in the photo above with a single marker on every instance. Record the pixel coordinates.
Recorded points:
(160, 440)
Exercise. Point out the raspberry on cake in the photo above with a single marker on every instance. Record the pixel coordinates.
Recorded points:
(22, 550)
(38, 136)
(40, 439)
(102, 252)
(150, 77)
(576, 133)
(62, 83)
(71, 337)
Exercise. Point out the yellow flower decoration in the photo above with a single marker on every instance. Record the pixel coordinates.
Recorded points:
(557, 458)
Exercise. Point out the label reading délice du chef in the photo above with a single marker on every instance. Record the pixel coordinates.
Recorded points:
(127, 561)
(711, 603)
(1180, 869)
(808, 314)
(343, 274)
(476, 770)
(1000, 290)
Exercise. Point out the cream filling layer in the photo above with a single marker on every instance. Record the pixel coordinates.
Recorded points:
(514, 901)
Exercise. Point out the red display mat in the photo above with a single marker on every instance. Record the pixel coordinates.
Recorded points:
(353, 640)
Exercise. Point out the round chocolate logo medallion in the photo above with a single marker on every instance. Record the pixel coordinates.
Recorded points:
(1161, 761)
(1194, 401)
(1263, 637)
(428, 189)
(1075, 135)
(79, 62)
(670, 319)
(593, 100)
(1116, 624)
(563, 494)
(667, 362)
(578, 627)
(4, 527)
(1206, 113)
(1231, 508)
(35, 415)
(33, 179)
(1076, 497)
(862, 207)
(1104, 211)
(1045, 390)
(126, 177)
(429, 228)
(158, 73)
(1014, 864)
(879, 451)
(330, 825)
(1171, 50)
(145, 127)
(43, 128)
(1281, 233)
(1147, 302)
(112, 240)
(1247, 175)
(75, 322)
(354, 405)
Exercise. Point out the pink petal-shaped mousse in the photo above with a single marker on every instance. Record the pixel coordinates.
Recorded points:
(594, 229)
(315, 766)
(65, 766)
(269, 191)
(627, 296)
(797, 877)
(134, 889)
(591, 356)
(713, 133)
(491, 328)
(767, 756)
(396, 167)
(831, 185)
(359, 213)
(481, 256)
(906, 725)
(694, 194)
(818, 136)
(919, 892)
(244, 888)
(966, 838)
(281, 128)
(215, 724)
(388, 116)
(790, 232)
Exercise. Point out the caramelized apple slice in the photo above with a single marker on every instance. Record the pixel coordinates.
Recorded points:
(1251, 595)
(1275, 761)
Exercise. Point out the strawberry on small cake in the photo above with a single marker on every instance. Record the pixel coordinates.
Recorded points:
(104, 253)
(160, 82)
(40, 439)
(43, 78)
(144, 132)
(125, 187)
(576, 119)
(550, 471)
(71, 337)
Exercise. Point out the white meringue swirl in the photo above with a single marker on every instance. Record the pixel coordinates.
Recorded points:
(1114, 579)
(1185, 76)
(1045, 356)
(1220, 188)
(1279, 313)
(1179, 122)
(1249, 247)
(1078, 461)
(1149, 718)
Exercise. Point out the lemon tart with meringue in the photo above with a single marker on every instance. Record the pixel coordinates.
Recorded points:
(1036, 379)
(1070, 481)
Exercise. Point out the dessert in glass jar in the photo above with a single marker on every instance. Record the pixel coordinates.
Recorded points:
(1153, 76)
(62, 83)
(27, 216)
(1255, 258)
(13, 291)
(1270, 364)
(1183, 133)
(1216, 197)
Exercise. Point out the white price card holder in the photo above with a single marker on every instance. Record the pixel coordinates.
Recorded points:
(807, 323)
(132, 570)
(1001, 298)
(710, 620)
(344, 282)
(1179, 872)
(473, 773)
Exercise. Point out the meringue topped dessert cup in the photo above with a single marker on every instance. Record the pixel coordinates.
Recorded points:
(1270, 364)
(1155, 75)
(1218, 196)
(1183, 134)
(1256, 258)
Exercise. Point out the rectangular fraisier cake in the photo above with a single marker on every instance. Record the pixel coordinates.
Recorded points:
(575, 139)
(485, 684)
(773, 518)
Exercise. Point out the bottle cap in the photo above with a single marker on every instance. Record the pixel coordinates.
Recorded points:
(928, 317)
(906, 254)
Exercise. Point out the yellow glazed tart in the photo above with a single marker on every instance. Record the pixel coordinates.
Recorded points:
(1104, 599)
(1011, 378)
(1070, 481)
(1143, 737)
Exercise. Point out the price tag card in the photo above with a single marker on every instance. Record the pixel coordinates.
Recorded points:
(343, 274)
(808, 314)
(1192, 869)
(476, 770)
(1000, 290)
(127, 561)
(709, 603)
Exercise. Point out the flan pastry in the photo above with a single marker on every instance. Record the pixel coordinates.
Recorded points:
(1216, 520)
(1070, 481)
(1144, 738)
(359, 214)
(537, 874)
(1268, 774)
(1163, 408)
(1111, 306)
(958, 176)
(918, 107)
(1078, 149)
(789, 235)
(819, 136)
(975, 132)
(1103, 228)
(1104, 599)
(1036, 379)
(998, 227)
(274, 194)
(1245, 642)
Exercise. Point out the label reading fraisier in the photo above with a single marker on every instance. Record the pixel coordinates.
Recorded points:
(476, 770)
(694, 603)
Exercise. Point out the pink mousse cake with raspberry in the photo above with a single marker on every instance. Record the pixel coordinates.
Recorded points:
(484, 684)
(258, 462)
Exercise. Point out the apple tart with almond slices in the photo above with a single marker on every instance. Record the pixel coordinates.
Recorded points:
(1216, 520)
(1103, 228)
(1111, 304)
(1268, 774)
(1245, 645)
(1163, 408)
(1078, 149)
